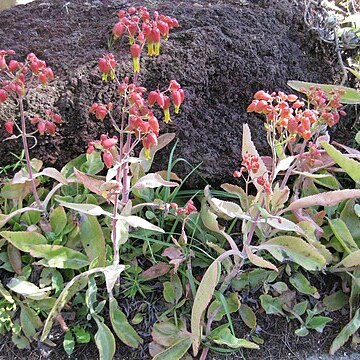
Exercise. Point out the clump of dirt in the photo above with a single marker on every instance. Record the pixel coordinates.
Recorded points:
(223, 52)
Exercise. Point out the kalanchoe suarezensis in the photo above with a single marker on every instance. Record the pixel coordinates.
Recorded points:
(143, 28)
(289, 116)
(16, 77)
(142, 121)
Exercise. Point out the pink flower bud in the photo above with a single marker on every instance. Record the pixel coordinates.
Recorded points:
(118, 30)
(107, 159)
(41, 126)
(9, 126)
(57, 119)
(262, 95)
(50, 127)
(3, 95)
(135, 50)
(152, 139)
(101, 112)
(131, 10)
(109, 143)
(154, 125)
(13, 65)
(152, 98)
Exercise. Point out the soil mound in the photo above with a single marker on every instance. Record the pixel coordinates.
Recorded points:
(223, 52)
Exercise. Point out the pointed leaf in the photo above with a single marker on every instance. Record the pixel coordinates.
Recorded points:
(202, 299)
(348, 330)
(28, 289)
(175, 351)
(351, 166)
(324, 199)
(136, 221)
(153, 181)
(104, 340)
(343, 235)
(23, 240)
(59, 256)
(292, 248)
(125, 332)
(259, 261)
(89, 209)
(223, 336)
(92, 239)
(58, 220)
(350, 96)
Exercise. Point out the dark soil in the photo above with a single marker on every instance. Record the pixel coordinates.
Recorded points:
(223, 52)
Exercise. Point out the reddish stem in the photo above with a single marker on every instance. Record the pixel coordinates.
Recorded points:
(27, 155)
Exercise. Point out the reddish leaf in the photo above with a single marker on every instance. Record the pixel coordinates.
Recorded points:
(156, 271)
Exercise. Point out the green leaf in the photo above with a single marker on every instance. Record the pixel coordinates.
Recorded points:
(93, 239)
(72, 288)
(350, 261)
(351, 166)
(15, 191)
(202, 299)
(23, 240)
(68, 169)
(251, 280)
(350, 96)
(125, 332)
(175, 351)
(336, 301)
(29, 321)
(217, 307)
(20, 341)
(317, 323)
(271, 305)
(93, 164)
(59, 257)
(69, 342)
(284, 248)
(343, 235)
(82, 336)
(344, 335)
(104, 340)
(58, 220)
(302, 331)
(247, 316)
(301, 307)
(169, 292)
(302, 284)
(352, 221)
(223, 336)
(27, 289)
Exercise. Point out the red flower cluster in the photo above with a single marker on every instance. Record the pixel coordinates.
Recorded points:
(18, 76)
(107, 146)
(48, 125)
(249, 163)
(264, 183)
(287, 112)
(328, 107)
(141, 28)
(100, 110)
(187, 209)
